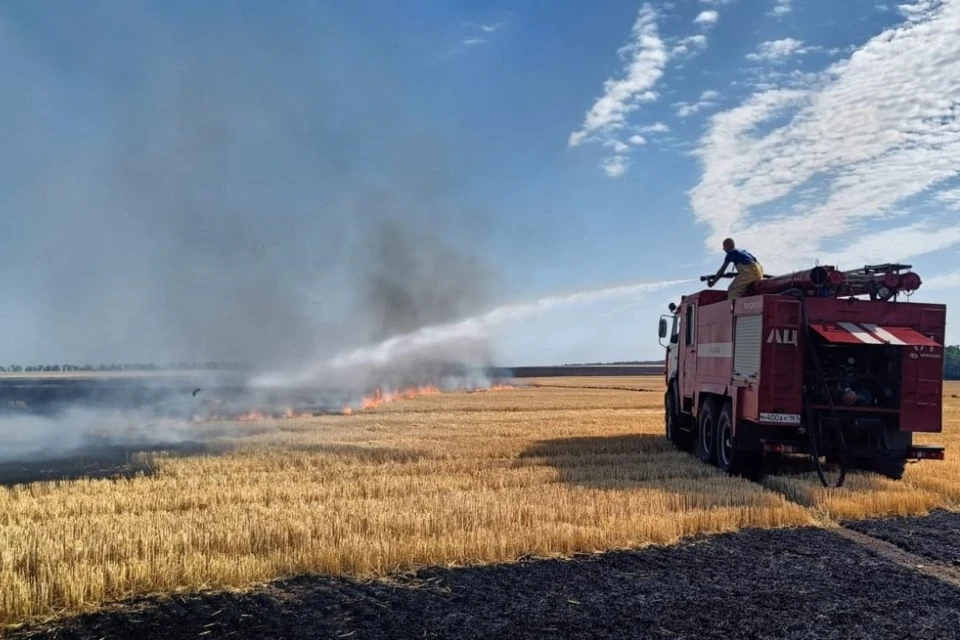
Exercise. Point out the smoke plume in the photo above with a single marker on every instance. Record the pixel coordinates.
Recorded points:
(196, 184)
(216, 187)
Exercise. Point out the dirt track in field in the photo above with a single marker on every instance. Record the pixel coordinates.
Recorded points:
(799, 583)
(934, 537)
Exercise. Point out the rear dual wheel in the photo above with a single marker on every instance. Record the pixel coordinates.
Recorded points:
(707, 432)
(731, 457)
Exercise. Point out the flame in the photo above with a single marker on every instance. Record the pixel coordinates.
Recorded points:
(366, 403)
(496, 387)
(252, 416)
(380, 397)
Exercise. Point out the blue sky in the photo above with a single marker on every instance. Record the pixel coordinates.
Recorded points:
(569, 146)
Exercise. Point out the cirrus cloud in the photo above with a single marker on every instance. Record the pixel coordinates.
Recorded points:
(801, 171)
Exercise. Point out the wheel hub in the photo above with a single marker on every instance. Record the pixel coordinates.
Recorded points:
(707, 434)
(726, 443)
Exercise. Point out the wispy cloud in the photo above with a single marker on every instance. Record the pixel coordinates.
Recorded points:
(916, 10)
(707, 99)
(707, 18)
(950, 197)
(943, 281)
(781, 7)
(777, 50)
(614, 166)
(656, 127)
(480, 34)
(800, 171)
(717, 2)
(645, 57)
(689, 46)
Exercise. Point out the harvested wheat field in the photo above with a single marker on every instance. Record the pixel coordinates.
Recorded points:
(559, 467)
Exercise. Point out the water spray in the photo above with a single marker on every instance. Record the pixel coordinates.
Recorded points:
(434, 337)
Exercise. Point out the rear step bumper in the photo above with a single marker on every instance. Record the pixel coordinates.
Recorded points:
(781, 447)
(916, 452)
(925, 452)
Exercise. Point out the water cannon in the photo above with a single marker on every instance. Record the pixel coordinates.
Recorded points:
(882, 282)
(816, 280)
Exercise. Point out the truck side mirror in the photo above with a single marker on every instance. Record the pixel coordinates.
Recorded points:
(663, 328)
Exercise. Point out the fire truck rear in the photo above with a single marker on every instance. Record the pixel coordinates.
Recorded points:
(822, 362)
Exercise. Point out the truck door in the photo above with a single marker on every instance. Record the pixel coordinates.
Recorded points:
(688, 351)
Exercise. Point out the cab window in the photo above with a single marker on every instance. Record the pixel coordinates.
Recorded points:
(690, 326)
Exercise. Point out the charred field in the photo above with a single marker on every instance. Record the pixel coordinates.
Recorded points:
(551, 508)
(800, 583)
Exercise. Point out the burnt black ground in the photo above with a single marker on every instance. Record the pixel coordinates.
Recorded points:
(104, 462)
(936, 536)
(800, 583)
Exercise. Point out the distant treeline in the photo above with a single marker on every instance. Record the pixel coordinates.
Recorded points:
(173, 366)
(611, 364)
(951, 364)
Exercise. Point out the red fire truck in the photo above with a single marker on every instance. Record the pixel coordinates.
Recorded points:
(826, 363)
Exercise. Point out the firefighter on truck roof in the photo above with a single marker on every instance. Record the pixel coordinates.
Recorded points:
(748, 267)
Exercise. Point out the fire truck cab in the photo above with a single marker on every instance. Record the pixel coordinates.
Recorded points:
(801, 364)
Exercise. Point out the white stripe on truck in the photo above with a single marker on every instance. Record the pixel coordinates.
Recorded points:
(859, 333)
(715, 350)
(883, 334)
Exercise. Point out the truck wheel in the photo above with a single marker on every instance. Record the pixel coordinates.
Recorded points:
(706, 432)
(730, 459)
(674, 431)
(670, 415)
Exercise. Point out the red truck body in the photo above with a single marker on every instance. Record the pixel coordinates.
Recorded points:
(804, 370)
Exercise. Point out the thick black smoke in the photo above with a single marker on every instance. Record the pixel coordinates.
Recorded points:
(410, 278)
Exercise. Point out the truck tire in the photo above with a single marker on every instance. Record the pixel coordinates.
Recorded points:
(706, 432)
(730, 458)
(670, 415)
(674, 431)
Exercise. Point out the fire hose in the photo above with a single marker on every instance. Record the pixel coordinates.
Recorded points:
(812, 429)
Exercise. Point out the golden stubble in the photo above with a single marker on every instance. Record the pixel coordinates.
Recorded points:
(462, 478)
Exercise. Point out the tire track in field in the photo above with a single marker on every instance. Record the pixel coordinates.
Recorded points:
(899, 556)
(883, 549)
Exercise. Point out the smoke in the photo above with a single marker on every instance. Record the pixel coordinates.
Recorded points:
(410, 279)
(211, 184)
(217, 186)
(35, 437)
(191, 182)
